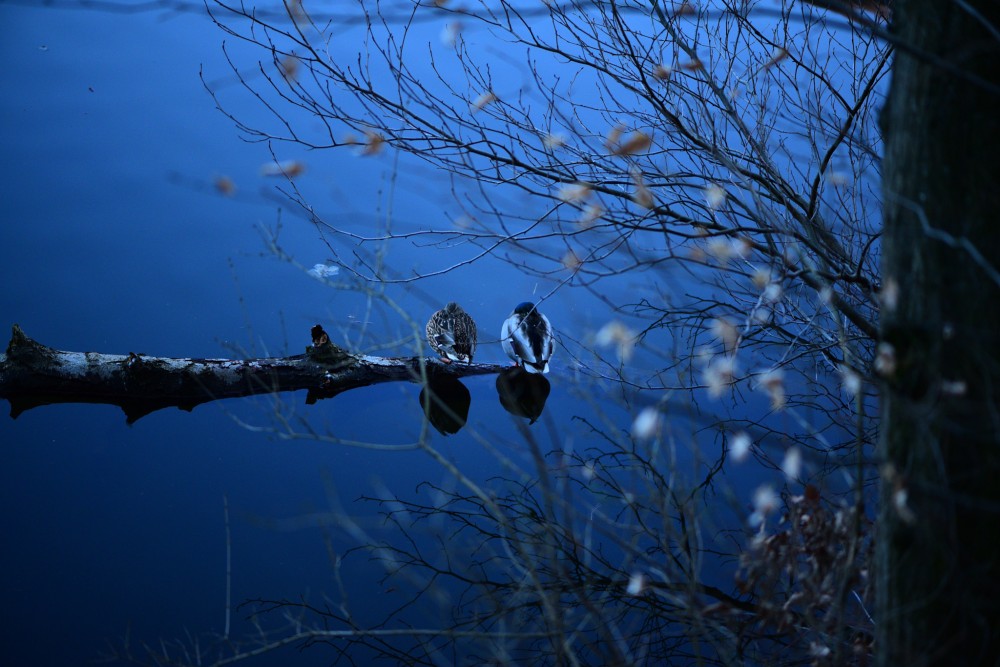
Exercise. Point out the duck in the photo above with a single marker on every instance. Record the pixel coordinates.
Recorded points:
(451, 333)
(526, 337)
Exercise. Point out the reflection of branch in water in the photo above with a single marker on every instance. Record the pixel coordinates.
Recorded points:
(32, 374)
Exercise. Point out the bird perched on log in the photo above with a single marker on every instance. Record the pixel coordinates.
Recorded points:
(526, 337)
(451, 333)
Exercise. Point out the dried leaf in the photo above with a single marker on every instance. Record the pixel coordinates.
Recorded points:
(647, 424)
(573, 192)
(761, 278)
(571, 261)
(792, 464)
(451, 32)
(739, 446)
(721, 373)
(765, 501)
(225, 185)
(285, 168)
(373, 144)
(323, 271)
(636, 584)
(616, 334)
(772, 383)
(885, 359)
(591, 214)
(613, 136)
(553, 141)
(715, 196)
(888, 296)
(642, 196)
(727, 332)
(486, 98)
(850, 380)
(778, 56)
(289, 68)
(773, 293)
(636, 143)
(724, 248)
(685, 8)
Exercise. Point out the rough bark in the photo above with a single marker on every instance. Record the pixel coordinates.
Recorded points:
(938, 589)
(32, 374)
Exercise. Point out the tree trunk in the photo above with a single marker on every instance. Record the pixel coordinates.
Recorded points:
(938, 550)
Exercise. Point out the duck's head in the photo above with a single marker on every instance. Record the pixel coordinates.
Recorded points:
(524, 308)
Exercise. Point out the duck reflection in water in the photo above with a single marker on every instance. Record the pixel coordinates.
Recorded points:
(445, 402)
(523, 393)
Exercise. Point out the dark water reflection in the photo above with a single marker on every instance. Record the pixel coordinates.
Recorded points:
(523, 394)
(445, 402)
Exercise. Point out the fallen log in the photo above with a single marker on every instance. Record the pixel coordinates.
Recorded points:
(32, 374)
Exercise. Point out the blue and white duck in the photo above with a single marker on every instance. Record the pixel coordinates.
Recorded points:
(527, 338)
(451, 333)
